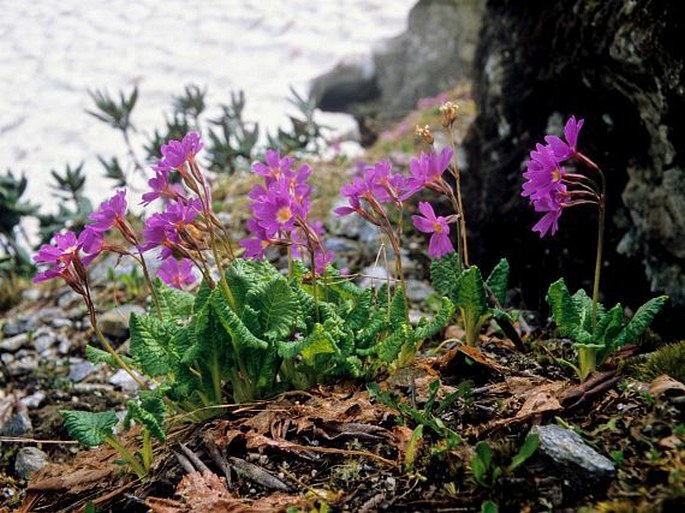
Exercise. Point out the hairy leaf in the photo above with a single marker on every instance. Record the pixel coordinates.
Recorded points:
(444, 273)
(150, 415)
(277, 306)
(232, 324)
(563, 308)
(438, 322)
(640, 321)
(175, 304)
(96, 356)
(499, 280)
(150, 344)
(90, 429)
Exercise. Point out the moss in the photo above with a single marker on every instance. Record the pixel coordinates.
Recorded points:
(670, 359)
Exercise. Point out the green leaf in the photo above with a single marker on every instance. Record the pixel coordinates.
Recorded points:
(89, 429)
(359, 315)
(640, 321)
(583, 304)
(444, 273)
(277, 306)
(96, 356)
(528, 448)
(609, 326)
(471, 300)
(175, 304)
(232, 324)
(398, 308)
(438, 322)
(480, 463)
(498, 280)
(149, 414)
(150, 345)
(563, 308)
(489, 507)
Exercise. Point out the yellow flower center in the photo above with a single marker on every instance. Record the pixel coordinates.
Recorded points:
(437, 227)
(283, 215)
(556, 175)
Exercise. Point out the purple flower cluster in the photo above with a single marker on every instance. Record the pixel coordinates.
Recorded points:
(280, 210)
(378, 186)
(545, 185)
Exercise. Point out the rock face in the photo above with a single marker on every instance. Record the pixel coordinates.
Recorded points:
(435, 52)
(619, 65)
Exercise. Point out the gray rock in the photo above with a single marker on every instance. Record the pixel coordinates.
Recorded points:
(61, 322)
(418, 291)
(7, 358)
(24, 364)
(44, 341)
(572, 456)
(31, 294)
(34, 400)
(80, 369)
(529, 77)
(29, 460)
(46, 315)
(19, 325)
(435, 52)
(68, 299)
(114, 323)
(18, 424)
(65, 346)
(123, 380)
(373, 276)
(14, 343)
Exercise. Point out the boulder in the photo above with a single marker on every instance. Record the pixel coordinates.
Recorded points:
(619, 65)
(433, 54)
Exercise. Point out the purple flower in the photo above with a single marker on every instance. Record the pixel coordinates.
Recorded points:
(552, 206)
(91, 241)
(110, 212)
(274, 166)
(544, 174)
(176, 153)
(176, 273)
(276, 210)
(161, 188)
(59, 255)
(427, 169)
(385, 185)
(163, 229)
(428, 222)
(565, 149)
(255, 247)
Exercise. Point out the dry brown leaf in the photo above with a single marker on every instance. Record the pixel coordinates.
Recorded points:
(665, 384)
(541, 399)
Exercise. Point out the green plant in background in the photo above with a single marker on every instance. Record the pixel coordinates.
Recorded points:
(73, 208)
(596, 341)
(13, 209)
(484, 470)
(470, 293)
(427, 417)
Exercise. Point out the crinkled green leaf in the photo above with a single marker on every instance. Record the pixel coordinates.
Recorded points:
(564, 310)
(437, 323)
(398, 308)
(150, 345)
(175, 304)
(232, 324)
(149, 414)
(583, 304)
(316, 343)
(444, 273)
(470, 298)
(90, 429)
(640, 321)
(277, 306)
(498, 281)
(96, 356)
(359, 315)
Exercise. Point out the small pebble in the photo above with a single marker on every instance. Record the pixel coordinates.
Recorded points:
(29, 460)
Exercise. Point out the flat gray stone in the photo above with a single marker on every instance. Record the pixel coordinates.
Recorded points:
(575, 458)
(114, 323)
(14, 343)
(29, 460)
(123, 380)
(80, 370)
(17, 425)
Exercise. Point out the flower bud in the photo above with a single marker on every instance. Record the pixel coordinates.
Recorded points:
(424, 133)
(449, 112)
